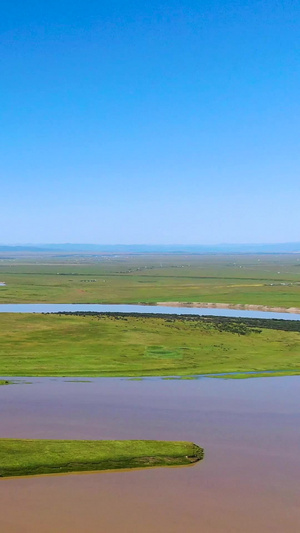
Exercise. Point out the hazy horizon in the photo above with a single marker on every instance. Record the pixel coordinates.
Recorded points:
(89, 243)
(223, 248)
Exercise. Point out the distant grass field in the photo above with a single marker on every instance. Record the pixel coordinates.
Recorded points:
(20, 457)
(67, 345)
(271, 280)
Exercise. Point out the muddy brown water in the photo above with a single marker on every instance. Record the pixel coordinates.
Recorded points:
(248, 481)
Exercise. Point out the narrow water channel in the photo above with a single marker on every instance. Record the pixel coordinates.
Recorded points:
(148, 309)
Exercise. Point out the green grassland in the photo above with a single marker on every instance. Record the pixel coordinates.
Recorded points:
(20, 457)
(68, 345)
(272, 280)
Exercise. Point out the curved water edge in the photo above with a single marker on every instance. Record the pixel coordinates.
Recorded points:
(27, 457)
(281, 375)
(140, 308)
(236, 422)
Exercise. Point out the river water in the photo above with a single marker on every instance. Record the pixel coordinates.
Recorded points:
(248, 481)
(131, 308)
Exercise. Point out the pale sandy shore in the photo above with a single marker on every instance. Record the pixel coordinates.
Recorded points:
(241, 307)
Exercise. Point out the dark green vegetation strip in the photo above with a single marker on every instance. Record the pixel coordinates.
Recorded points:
(270, 280)
(241, 326)
(101, 345)
(20, 457)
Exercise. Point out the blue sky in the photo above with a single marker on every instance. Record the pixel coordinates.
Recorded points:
(150, 122)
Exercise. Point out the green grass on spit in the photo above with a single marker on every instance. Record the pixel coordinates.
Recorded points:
(101, 345)
(20, 457)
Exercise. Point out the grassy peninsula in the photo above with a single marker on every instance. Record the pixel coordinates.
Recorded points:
(104, 345)
(20, 457)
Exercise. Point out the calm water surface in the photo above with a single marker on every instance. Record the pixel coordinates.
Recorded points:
(248, 481)
(126, 308)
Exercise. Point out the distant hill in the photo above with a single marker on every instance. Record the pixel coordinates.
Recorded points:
(156, 248)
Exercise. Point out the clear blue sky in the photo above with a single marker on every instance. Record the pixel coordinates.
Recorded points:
(150, 122)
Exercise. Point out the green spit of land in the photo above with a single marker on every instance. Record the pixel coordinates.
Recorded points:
(20, 457)
(105, 345)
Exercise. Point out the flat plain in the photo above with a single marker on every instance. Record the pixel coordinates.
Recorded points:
(269, 280)
(102, 345)
(45, 345)
(248, 428)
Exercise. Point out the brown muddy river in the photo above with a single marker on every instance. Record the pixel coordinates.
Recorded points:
(248, 481)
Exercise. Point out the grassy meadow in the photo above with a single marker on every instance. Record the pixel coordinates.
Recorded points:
(101, 345)
(272, 280)
(20, 457)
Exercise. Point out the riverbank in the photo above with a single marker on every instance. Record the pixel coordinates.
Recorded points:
(19, 457)
(240, 307)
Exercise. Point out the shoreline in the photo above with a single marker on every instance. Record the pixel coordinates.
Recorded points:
(23, 457)
(240, 307)
(177, 304)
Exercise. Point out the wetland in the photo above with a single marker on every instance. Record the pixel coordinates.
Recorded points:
(88, 353)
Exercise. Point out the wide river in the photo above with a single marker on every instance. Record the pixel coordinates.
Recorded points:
(248, 481)
(132, 308)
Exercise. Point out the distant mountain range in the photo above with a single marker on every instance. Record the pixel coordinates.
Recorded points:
(156, 248)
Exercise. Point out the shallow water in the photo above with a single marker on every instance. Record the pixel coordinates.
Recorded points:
(248, 481)
(131, 308)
